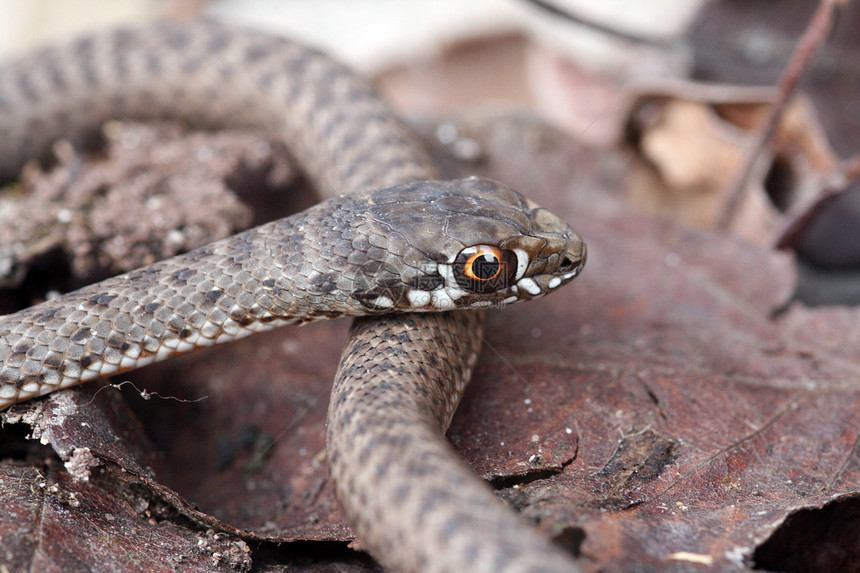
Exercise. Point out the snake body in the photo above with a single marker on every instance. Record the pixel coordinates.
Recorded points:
(395, 244)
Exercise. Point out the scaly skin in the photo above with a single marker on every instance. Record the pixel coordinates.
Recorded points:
(413, 503)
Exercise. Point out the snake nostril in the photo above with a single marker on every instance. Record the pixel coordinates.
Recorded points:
(566, 264)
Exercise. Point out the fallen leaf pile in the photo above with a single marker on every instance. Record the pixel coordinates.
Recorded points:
(672, 407)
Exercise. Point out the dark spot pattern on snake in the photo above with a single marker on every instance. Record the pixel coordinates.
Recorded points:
(401, 376)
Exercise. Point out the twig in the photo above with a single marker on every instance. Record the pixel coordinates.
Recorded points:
(797, 221)
(692, 90)
(813, 37)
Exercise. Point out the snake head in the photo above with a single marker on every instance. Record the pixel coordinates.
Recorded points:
(469, 243)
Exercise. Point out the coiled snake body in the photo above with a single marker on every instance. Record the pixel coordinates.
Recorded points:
(395, 242)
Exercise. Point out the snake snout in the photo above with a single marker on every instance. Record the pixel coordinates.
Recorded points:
(566, 255)
(573, 258)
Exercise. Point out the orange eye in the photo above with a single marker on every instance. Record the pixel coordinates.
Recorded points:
(483, 264)
(485, 268)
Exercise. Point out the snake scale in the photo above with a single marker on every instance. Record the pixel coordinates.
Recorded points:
(394, 243)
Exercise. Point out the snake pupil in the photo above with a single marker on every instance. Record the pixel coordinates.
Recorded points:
(485, 267)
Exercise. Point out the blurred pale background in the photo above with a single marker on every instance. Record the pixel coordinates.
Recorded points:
(432, 56)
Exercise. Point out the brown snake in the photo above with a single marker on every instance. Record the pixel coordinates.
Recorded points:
(396, 242)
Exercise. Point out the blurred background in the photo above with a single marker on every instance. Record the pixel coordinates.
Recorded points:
(430, 54)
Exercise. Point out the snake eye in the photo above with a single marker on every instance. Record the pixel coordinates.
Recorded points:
(484, 268)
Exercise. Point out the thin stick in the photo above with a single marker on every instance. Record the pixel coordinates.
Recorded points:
(800, 217)
(813, 37)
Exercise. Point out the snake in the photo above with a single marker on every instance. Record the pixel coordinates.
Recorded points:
(413, 256)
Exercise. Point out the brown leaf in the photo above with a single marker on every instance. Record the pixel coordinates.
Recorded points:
(693, 148)
(653, 414)
(53, 522)
(702, 422)
(179, 186)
